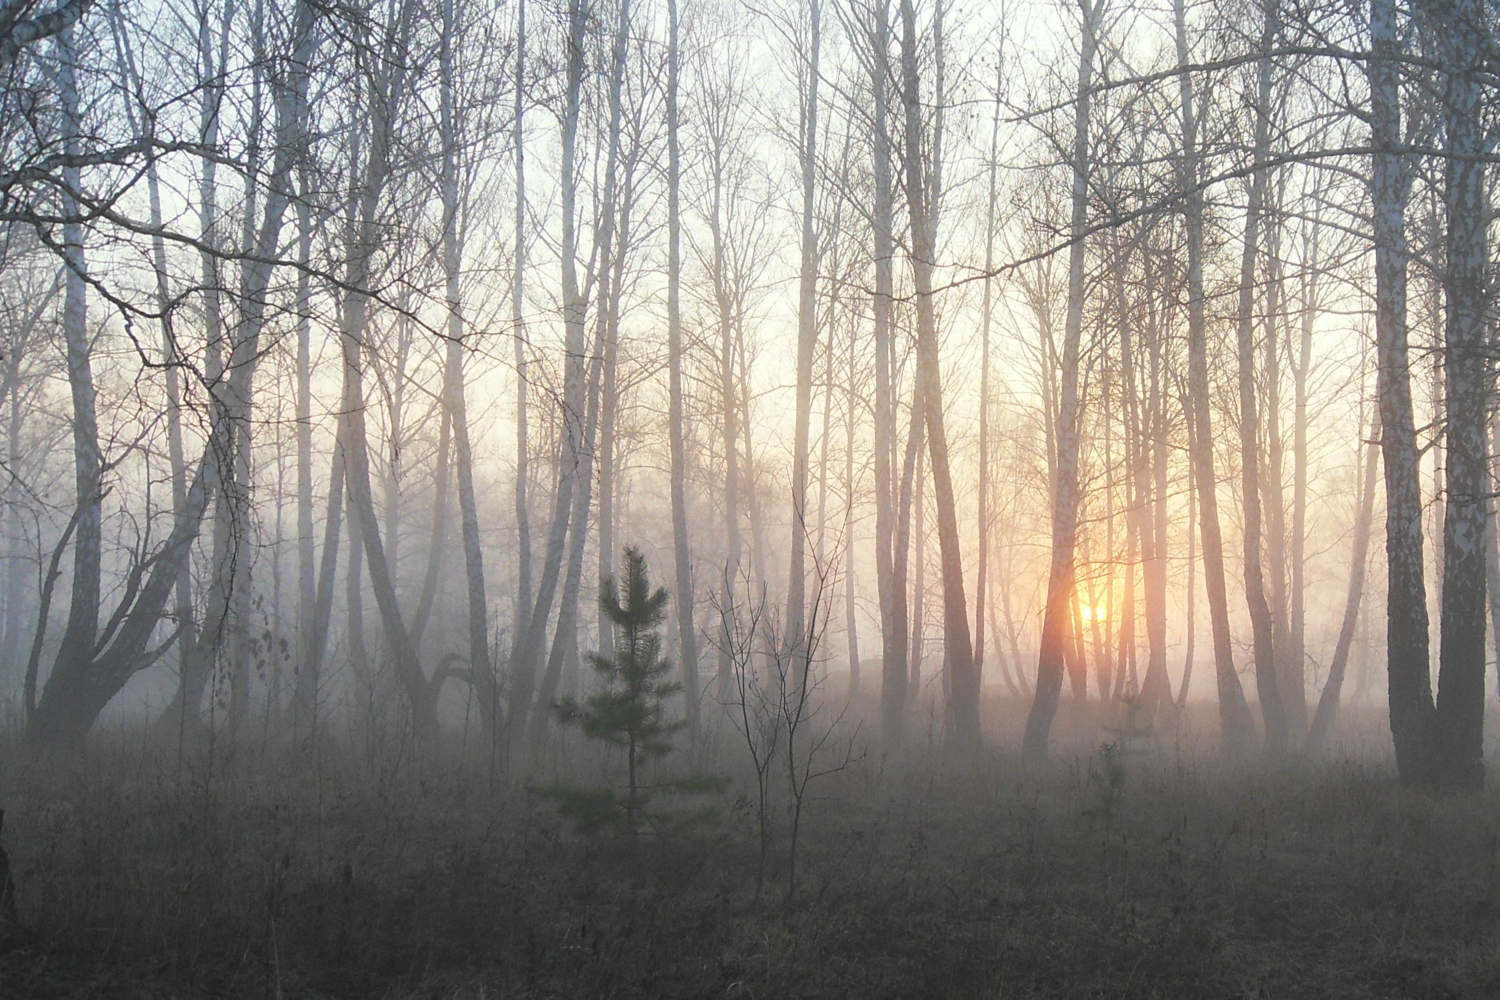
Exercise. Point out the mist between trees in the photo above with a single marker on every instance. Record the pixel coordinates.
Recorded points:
(1014, 358)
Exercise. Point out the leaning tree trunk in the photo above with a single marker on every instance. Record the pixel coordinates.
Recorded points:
(77, 693)
(1326, 714)
(958, 651)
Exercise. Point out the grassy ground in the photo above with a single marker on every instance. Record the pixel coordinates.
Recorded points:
(1144, 874)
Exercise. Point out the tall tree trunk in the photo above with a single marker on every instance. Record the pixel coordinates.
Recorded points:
(1460, 699)
(238, 500)
(1273, 710)
(686, 631)
(1297, 606)
(518, 333)
(851, 624)
(1410, 684)
(1492, 544)
(1155, 523)
(532, 640)
(608, 253)
(981, 582)
(894, 695)
(81, 632)
(386, 95)
(1291, 680)
(918, 516)
(481, 674)
(807, 343)
(197, 656)
(1191, 628)
(729, 406)
(354, 589)
(962, 716)
(1236, 725)
(311, 632)
(1061, 610)
(565, 635)
(320, 614)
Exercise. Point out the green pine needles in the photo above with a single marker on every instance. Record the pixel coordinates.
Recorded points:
(630, 709)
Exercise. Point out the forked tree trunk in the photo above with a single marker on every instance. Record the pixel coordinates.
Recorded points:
(387, 92)
(606, 256)
(187, 644)
(79, 689)
(531, 641)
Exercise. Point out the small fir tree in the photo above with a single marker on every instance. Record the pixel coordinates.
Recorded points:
(630, 711)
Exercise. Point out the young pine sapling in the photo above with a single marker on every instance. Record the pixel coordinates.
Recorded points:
(630, 711)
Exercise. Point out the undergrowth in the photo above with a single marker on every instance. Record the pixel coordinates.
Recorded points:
(1157, 873)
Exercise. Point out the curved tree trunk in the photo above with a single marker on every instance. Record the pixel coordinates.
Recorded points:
(1326, 714)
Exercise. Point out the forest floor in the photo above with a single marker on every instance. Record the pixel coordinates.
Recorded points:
(1129, 873)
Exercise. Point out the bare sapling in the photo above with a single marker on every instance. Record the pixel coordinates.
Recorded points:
(749, 703)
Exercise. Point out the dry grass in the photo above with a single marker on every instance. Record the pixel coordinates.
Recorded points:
(140, 876)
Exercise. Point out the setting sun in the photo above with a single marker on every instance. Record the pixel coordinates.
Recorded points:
(1091, 613)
